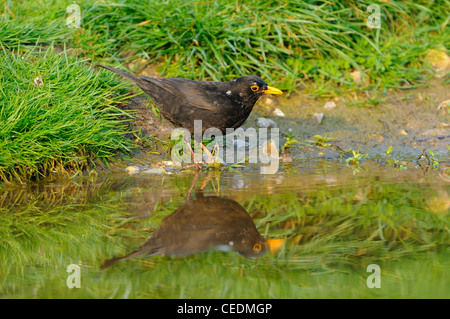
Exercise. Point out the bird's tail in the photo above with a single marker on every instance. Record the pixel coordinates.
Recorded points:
(150, 248)
(115, 260)
(120, 72)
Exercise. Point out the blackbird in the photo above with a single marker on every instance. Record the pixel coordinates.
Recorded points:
(203, 224)
(219, 105)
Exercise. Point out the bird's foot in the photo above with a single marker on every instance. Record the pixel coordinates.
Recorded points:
(206, 158)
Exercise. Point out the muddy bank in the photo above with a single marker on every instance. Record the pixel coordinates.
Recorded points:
(408, 120)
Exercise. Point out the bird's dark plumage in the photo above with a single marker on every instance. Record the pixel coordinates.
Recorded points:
(219, 105)
(202, 224)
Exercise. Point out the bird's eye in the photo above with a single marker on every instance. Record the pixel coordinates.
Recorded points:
(257, 248)
(254, 88)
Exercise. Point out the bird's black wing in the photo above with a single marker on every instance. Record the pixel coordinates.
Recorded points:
(205, 95)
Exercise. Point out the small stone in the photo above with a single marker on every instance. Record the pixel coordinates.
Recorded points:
(443, 125)
(240, 143)
(403, 132)
(268, 101)
(356, 76)
(439, 60)
(278, 112)
(439, 204)
(170, 163)
(319, 117)
(266, 123)
(132, 169)
(38, 81)
(329, 105)
(156, 170)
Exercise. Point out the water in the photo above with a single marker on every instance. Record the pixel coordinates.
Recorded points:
(325, 222)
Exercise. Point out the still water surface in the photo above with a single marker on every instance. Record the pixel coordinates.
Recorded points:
(309, 231)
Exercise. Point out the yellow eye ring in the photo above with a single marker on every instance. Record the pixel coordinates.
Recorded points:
(254, 88)
(257, 248)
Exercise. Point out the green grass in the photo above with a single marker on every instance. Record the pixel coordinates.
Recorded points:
(286, 42)
(67, 122)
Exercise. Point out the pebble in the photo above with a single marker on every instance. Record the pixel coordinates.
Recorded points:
(439, 60)
(268, 101)
(329, 105)
(278, 112)
(132, 169)
(356, 76)
(265, 123)
(240, 143)
(157, 170)
(170, 163)
(38, 81)
(319, 117)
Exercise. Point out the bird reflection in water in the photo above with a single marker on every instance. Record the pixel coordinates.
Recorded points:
(203, 224)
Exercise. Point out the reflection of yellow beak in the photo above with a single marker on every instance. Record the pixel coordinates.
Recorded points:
(275, 245)
(271, 90)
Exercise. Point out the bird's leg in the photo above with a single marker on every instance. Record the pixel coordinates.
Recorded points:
(205, 182)
(210, 156)
(194, 181)
(198, 164)
(207, 152)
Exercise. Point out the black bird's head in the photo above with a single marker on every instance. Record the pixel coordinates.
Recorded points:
(248, 89)
(251, 247)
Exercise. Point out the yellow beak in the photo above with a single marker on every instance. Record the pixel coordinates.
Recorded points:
(275, 245)
(271, 90)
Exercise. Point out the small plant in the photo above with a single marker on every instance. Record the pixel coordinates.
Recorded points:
(356, 158)
(155, 110)
(230, 167)
(321, 141)
(392, 161)
(389, 150)
(291, 140)
(431, 157)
